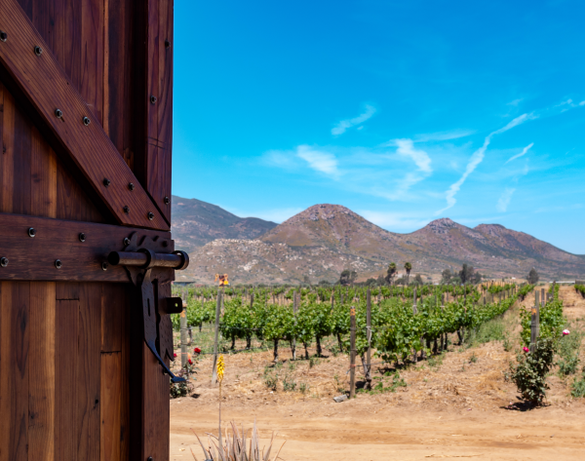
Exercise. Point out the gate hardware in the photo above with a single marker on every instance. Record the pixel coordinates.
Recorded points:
(131, 186)
(38, 50)
(139, 261)
(58, 113)
(3, 262)
(82, 237)
(150, 215)
(32, 232)
(104, 266)
(153, 99)
(107, 182)
(58, 263)
(3, 36)
(167, 200)
(86, 121)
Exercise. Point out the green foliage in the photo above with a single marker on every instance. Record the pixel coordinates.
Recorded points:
(568, 352)
(183, 389)
(524, 291)
(578, 386)
(551, 321)
(580, 289)
(531, 370)
(532, 276)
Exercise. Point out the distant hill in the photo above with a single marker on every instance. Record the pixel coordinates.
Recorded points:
(196, 223)
(325, 239)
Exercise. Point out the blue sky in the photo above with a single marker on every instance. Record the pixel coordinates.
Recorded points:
(403, 111)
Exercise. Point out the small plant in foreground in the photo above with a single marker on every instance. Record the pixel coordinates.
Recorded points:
(303, 387)
(578, 387)
(183, 389)
(530, 373)
(473, 358)
(236, 447)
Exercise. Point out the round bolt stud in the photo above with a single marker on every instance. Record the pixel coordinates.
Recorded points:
(58, 113)
(107, 182)
(82, 237)
(3, 36)
(150, 458)
(32, 232)
(105, 266)
(58, 264)
(153, 99)
(150, 215)
(3, 262)
(131, 186)
(126, 241)
(126, 209)
(167, 44)
(86, 121)
(167, 200)
(38, 50)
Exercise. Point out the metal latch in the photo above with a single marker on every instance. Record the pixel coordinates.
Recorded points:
(140, 262)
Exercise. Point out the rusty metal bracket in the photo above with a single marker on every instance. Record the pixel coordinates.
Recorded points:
(141, 257)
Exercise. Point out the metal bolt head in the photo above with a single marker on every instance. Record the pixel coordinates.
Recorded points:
(167, 200)
(58, 113)
(153, 99)
(167, 44)
(3, 36)
(86, 121)
(150, 458)
(82, 237)
(126, 209)
(131, 186)
(32, 232)
(107, 182)
(150, 215)
(58, 263)
(105, 266)
(126, 241)
(38, 50)
(3, 262)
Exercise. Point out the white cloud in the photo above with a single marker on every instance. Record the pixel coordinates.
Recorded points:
(524, 151)
(342, 126)
(443, 135)
(477, 158)
(504, 200)
(395, 220)
(321, 161)
(420, 157)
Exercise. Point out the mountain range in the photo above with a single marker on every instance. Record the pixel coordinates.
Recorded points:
(325, 239)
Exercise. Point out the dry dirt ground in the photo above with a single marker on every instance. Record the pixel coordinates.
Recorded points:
(455, 406)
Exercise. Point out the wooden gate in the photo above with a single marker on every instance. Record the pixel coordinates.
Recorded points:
(85, 170)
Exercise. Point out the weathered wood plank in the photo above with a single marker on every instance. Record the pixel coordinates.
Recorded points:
(111, 406)
(88, 372)
(83, 144)
(14, 386)
(113, 318)
(34, 258)
(41, 421)
(66, 357)
(43, 180)
(7, 158)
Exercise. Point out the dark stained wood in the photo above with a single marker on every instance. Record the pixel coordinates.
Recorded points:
(114, 305)
(67, 386)
(34, 258)
(14, 354)
(88, 372)
(83, 144)
(41, 400)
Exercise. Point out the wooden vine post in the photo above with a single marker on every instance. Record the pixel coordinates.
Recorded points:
(353, 351)
(535, 322)
(369, 338)
(216, 339)
(293, 343)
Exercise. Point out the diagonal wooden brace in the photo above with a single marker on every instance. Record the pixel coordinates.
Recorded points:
(39, 76)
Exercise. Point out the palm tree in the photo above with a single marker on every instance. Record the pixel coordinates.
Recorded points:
(407, 268)
(391, 272)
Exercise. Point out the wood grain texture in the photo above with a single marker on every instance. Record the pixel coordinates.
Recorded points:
(88, 372)
(7, 158)
(14, 354)
(111, 406)
(67, 386)
(114, 305)
(34, 258)
(42, 385)
(83, 144)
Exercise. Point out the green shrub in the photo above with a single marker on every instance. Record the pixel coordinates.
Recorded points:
(578, 387)
(530, 373)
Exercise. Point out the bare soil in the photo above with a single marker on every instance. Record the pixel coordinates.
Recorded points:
(458, 405)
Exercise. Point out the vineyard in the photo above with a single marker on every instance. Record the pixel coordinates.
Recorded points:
(404, 322)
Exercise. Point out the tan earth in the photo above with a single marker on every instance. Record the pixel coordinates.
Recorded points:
(457, 406)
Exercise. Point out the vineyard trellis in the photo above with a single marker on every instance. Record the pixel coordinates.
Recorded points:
(406, 322)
